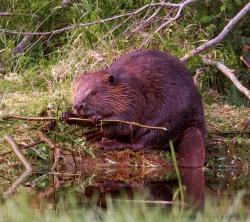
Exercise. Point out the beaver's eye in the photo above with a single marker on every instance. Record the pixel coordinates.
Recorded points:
(111, 79)
(93, 93)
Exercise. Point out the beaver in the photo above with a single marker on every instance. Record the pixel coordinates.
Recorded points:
(149, 87)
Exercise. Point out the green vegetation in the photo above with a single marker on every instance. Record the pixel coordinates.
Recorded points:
(67, 211)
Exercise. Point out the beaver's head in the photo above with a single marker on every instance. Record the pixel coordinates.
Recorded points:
(100, 94)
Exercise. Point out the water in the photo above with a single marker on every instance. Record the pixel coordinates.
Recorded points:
(153, 186)
(125, 178)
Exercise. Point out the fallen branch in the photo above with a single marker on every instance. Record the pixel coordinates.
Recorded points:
(84, 120)
(221, 36)
(18, 153)
(80, 25)
(229, 74)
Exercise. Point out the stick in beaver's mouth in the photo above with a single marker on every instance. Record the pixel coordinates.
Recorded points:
(90, 121)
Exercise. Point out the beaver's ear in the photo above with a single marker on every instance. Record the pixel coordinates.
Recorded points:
(111, 79)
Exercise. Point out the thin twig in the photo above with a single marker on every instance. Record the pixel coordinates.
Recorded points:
(84, 120)
(221, 36)
(144, 22)
(163, 25)
(18, 153)
(134, 124)
(80, 25)
(229, 74)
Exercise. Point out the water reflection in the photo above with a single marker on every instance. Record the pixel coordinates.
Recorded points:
(138, 185)
(151, 189)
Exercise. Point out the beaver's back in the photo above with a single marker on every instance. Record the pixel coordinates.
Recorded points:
(171, 98)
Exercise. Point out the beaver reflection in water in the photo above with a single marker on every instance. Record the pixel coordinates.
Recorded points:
(149, 87)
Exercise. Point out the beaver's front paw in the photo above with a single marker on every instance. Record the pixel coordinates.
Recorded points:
(66, 117)
(96, 118)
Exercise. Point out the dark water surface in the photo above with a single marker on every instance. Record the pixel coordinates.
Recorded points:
(153, 186)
